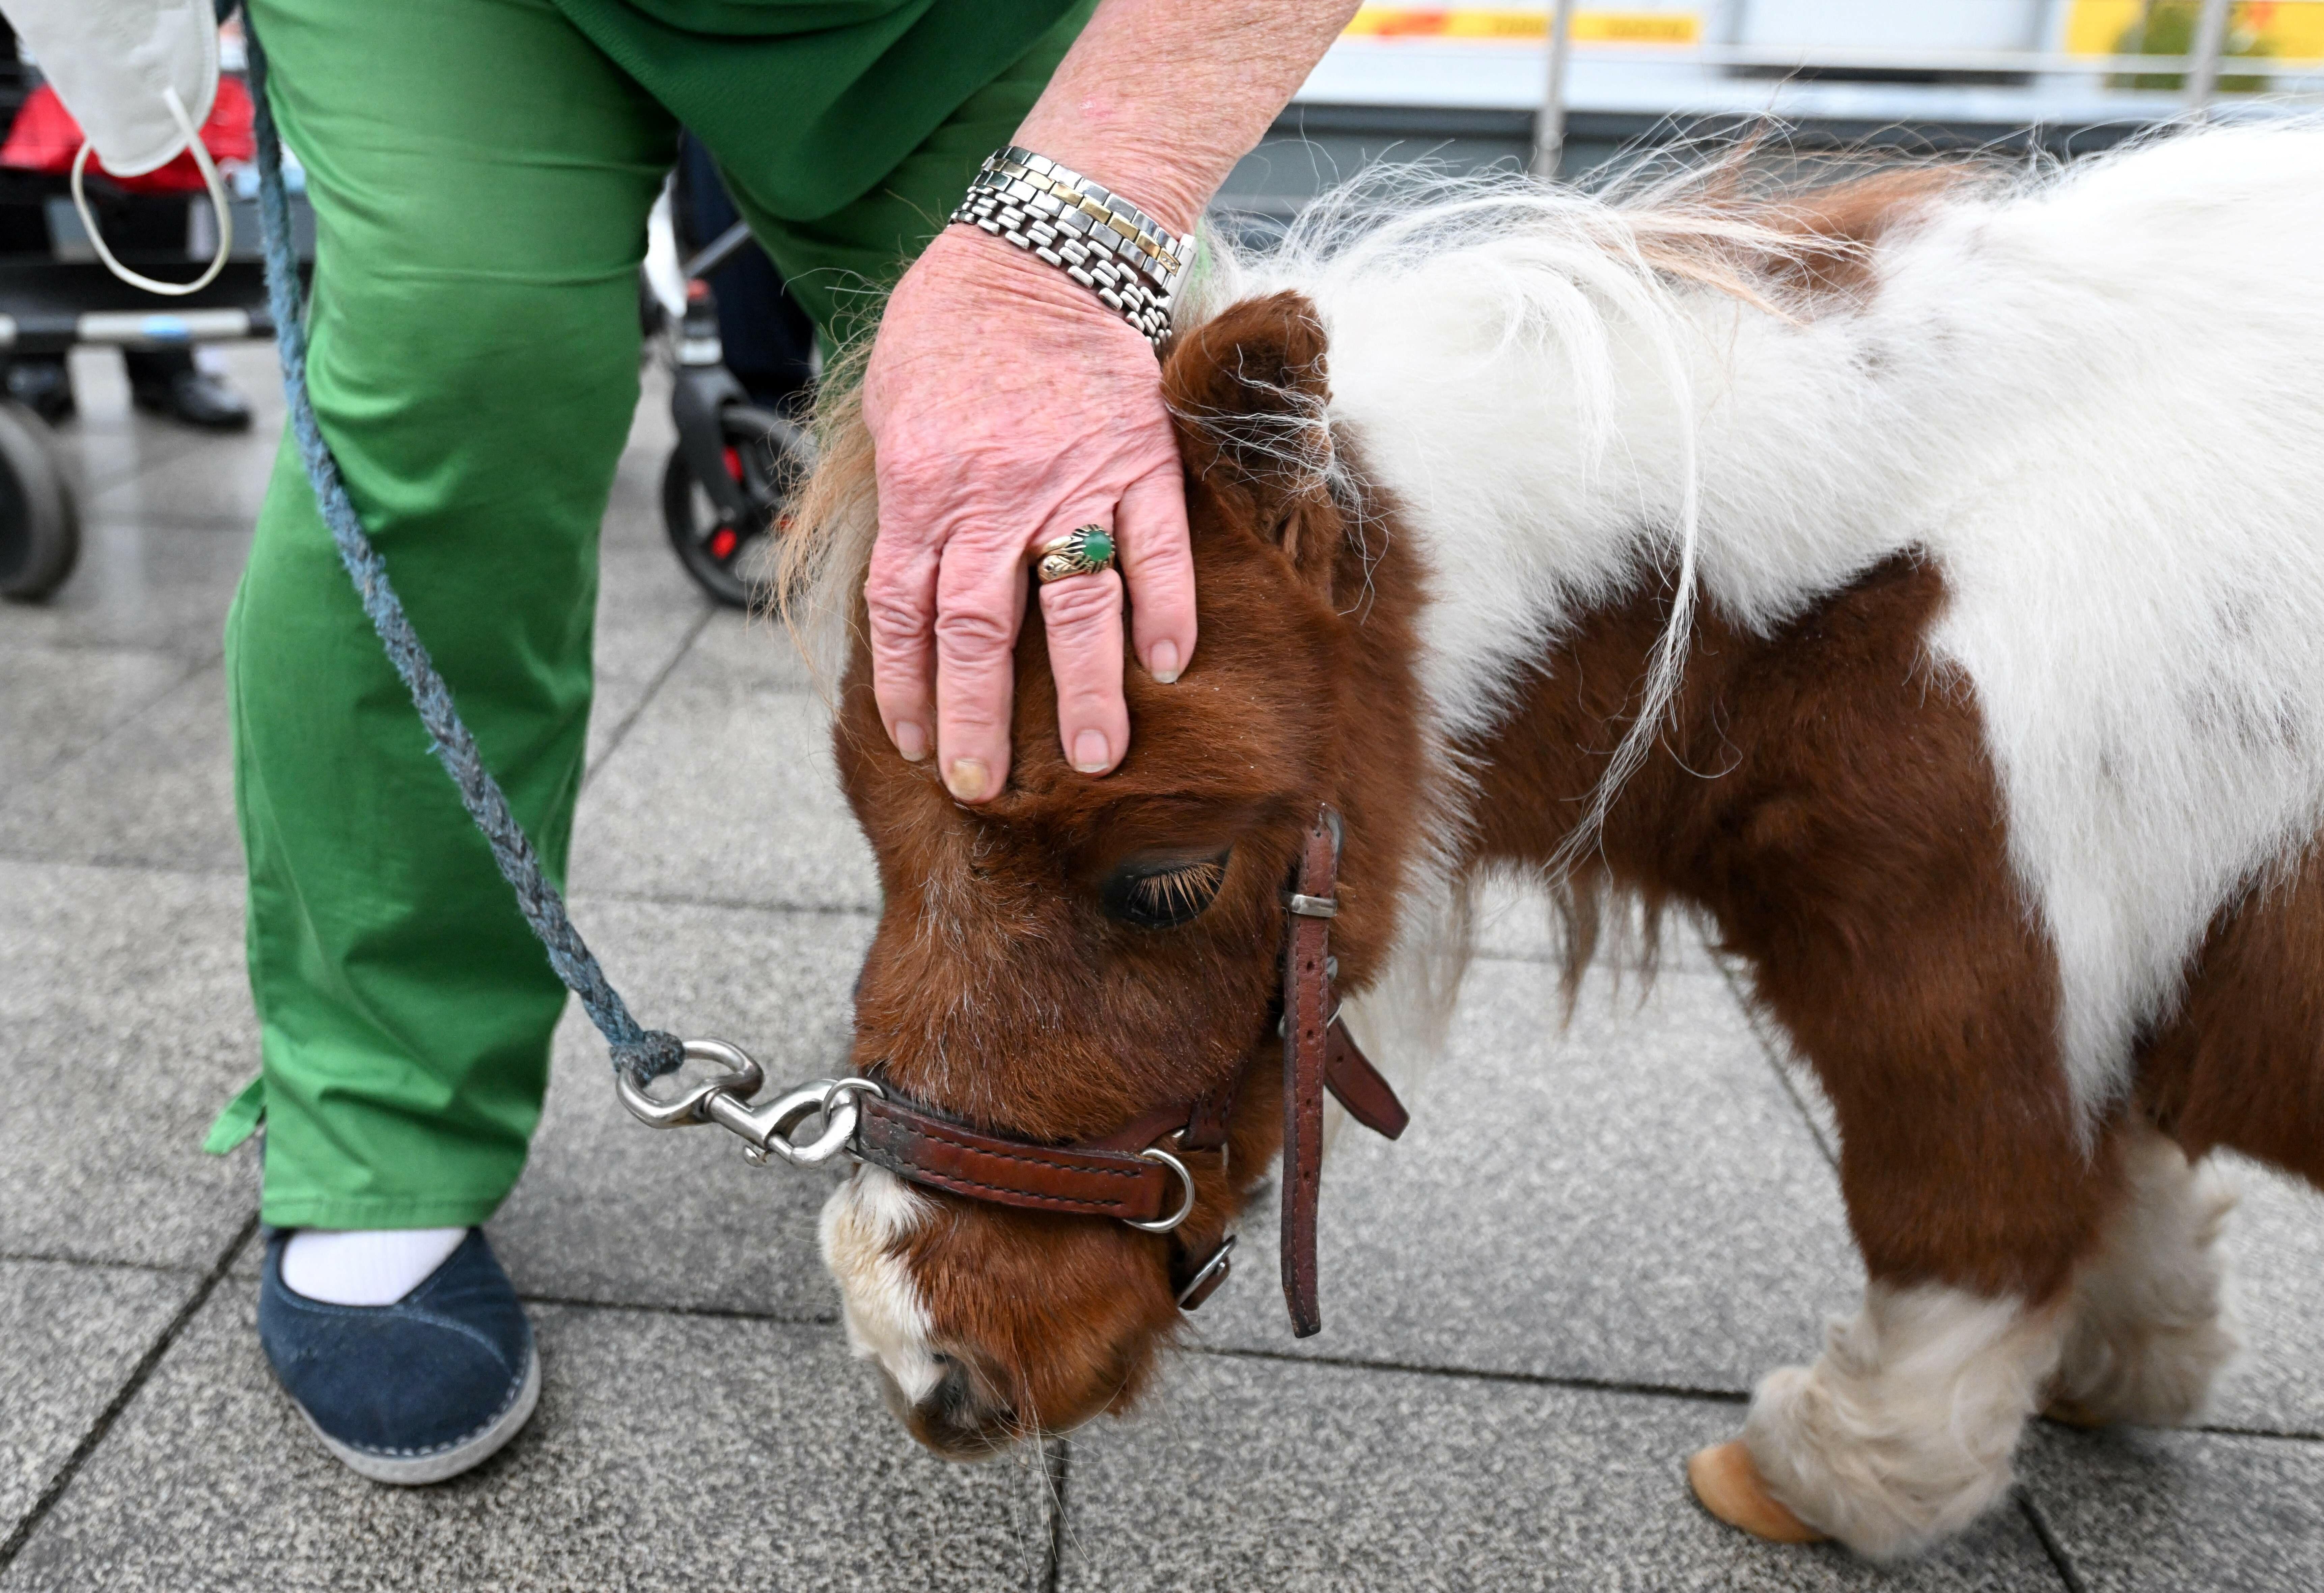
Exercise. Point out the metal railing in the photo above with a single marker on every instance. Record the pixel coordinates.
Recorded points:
(2201, 69)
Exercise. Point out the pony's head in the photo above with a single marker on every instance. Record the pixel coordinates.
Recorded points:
(1077, 951)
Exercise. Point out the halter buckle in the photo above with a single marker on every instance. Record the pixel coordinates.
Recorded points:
(1209, 1275)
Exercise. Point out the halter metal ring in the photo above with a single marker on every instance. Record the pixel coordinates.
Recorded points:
(1186, 1207)
(740, 1079)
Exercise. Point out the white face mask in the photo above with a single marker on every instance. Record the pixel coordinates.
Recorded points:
(140, 76)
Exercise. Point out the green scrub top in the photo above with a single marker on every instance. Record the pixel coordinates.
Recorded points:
(829, 94)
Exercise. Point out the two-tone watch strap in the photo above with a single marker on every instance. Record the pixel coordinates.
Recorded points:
(1092, 234)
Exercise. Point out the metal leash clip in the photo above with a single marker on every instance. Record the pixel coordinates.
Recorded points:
(765, 1130)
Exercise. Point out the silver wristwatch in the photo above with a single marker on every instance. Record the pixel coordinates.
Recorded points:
(1095, 235)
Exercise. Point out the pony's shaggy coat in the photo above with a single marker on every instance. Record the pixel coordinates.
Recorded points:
(1918, 580)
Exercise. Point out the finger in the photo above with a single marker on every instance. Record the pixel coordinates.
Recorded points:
(1082, 615)
(1158, 567)
(980, 605)
(900, 596)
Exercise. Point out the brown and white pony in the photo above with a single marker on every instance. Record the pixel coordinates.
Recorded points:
(1922, 581)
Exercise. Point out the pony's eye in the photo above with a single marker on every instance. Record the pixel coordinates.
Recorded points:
(1166, 894)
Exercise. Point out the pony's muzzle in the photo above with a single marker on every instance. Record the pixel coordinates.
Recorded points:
(953, 1418)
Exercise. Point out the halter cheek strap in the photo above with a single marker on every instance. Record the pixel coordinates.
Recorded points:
(1306, 1014)
(1128, 1175)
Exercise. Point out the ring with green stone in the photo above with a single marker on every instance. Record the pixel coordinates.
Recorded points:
(1082, 552)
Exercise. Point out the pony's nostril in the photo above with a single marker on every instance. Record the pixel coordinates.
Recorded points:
(952, 1401)
(954, 1420)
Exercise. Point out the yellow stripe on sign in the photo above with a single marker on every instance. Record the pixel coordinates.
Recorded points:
(2285, 30)
(1529, 27)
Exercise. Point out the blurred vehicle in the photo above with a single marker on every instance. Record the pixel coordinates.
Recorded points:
(56, 295)
(743, 359)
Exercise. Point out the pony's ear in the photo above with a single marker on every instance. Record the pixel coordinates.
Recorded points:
(1249, 393)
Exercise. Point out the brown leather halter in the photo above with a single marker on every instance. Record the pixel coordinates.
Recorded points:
(1129, 1175)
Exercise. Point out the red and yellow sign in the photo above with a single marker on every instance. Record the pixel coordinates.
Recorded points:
(1531, 26)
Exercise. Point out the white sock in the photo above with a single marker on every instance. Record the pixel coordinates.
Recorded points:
(366, 1267)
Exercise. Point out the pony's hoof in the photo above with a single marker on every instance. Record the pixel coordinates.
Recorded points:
(1724, 1479)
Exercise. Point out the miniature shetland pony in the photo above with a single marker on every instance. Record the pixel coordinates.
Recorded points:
(1920, 580)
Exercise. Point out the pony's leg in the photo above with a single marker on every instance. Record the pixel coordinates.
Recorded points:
(1973, 1224)
(1902, 1431)
(2147, 1332)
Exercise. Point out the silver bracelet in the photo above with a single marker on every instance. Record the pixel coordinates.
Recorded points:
(1095, 235)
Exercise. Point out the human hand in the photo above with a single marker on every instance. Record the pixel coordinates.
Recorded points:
(1008, 407)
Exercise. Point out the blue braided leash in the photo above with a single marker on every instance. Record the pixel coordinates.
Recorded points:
(644, 1053)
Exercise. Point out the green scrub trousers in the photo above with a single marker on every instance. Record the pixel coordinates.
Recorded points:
(480, 172)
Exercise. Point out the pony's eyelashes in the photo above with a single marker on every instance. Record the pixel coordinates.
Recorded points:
(1164, 892)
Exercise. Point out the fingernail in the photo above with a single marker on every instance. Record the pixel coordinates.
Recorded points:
(911, 740)
(967, 778)
(1090, 754)
(1162, 663)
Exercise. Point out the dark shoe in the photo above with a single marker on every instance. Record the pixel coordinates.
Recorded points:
(44, 387)
(414, 1392)
(196, 398)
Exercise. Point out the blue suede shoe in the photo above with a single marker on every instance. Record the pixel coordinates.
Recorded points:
(414, 1391)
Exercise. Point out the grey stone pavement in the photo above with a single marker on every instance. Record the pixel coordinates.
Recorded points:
(1589, 1245)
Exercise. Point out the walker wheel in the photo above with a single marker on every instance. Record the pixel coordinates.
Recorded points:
(729, 556)
(40, 533)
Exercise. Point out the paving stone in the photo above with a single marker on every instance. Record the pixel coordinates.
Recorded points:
(157, 792)
(610, 1209)
(158, 587)
(1289, 1476)
(69, 1336)
(2275, 1242)
(107, 441)
(611, 709)
(647, 613)
(635, 517)
(2144, 1510)
(748, 651)
(55, 702)
(668, 1453)
(125, 1025)
(1635, 1201)
(728, 794)
(220, 482)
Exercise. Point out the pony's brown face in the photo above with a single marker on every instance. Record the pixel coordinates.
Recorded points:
(1061, 960)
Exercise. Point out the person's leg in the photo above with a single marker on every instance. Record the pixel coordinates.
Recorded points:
(173, 381)
(839, 267)
(480, 176)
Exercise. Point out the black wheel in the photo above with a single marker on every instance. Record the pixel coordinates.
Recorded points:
(40, 533)
(728, 554)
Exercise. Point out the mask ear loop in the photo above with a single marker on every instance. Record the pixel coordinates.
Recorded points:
(217, 203)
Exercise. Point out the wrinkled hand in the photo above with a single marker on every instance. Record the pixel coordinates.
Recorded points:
(1009, 407)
